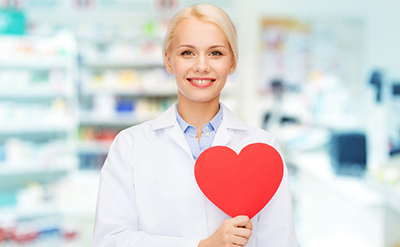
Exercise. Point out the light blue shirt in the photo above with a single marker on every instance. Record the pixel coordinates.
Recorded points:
(206, 139)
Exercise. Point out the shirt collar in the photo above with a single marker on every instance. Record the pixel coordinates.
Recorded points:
(217, 119)
(168, 119)
(214, 123)
(182, 123)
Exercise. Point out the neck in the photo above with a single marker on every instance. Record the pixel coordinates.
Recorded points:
(197, 114)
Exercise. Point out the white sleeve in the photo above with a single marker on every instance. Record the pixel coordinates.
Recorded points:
(117, 219)
(275, 222)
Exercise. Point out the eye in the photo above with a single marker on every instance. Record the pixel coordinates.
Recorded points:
(216, 53)
(187, 53)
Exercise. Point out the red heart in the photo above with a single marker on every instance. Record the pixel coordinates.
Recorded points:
(239, 184)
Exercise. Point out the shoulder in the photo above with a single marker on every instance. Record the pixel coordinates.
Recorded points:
(130, 135)
(256, 134)
(246, 132)
(148, 130)
(138, 128)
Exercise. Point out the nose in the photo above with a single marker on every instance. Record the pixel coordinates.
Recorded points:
(201, 65)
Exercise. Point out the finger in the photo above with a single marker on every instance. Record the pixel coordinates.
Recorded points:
(249, 225)
(242, 232)
(240, 241)
(241, 220)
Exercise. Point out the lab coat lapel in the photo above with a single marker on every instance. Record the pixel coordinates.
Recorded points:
(168, 120)
(222, 138)
(229, 121)
(177, 135)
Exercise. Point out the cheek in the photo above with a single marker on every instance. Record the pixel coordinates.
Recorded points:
(223, 67)
(181, 66)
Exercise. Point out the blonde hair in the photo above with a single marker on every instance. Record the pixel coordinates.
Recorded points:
(207, 13)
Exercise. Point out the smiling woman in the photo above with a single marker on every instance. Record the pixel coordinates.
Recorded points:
(201, 64)
(148, 195)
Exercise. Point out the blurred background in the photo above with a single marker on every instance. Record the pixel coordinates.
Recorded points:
(322, 76)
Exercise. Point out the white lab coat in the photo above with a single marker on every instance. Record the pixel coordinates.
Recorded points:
(148, 196)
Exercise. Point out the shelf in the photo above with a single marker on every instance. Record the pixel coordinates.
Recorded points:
(36, 212)
(123, 39)
(36, 129)
(170, 92)
(35, 63)
(117, 63)
(94, 147)
(33, 94)
(116, 120)
(15, 178)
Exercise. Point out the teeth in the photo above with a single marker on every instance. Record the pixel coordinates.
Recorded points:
(201, 81)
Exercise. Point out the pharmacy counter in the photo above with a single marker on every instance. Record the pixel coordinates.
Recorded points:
(341, 211)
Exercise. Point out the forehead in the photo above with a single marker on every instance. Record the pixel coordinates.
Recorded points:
(199, 33)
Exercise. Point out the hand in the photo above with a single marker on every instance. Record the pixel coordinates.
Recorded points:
(232, 232)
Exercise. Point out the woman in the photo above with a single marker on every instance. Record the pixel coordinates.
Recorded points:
(148, 195)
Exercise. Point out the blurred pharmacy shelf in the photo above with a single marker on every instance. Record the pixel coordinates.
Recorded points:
(157, 92)
(122, 83)
(16, 178)
(35, 129)
(32, 94)
(117, 120)
(38, 129)
(117, 63)
(95, 147)
(33, 63)
(40, 228)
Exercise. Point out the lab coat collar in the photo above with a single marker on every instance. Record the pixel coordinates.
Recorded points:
(168, 120)
(231, 121)
(222, 138)
(165, 120)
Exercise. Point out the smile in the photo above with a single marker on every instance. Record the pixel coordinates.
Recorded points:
(201, 82)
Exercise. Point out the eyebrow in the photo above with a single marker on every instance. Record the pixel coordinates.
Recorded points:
(211, 47)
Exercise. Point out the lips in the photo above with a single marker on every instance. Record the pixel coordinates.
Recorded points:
(201, 82)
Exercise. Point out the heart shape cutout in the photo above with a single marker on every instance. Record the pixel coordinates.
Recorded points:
(239, 184)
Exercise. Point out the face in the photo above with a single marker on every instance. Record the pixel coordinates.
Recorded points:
(200, 60)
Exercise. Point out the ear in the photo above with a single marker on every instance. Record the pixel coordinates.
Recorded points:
(167, 63)
(233, 66)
